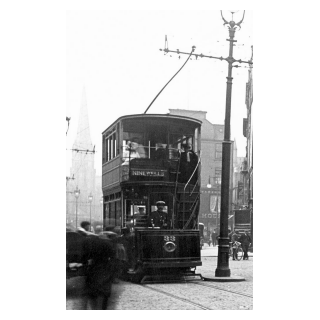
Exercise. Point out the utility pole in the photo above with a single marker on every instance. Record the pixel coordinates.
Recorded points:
(223, 270)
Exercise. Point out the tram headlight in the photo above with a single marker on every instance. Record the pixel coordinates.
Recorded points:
(169, 246)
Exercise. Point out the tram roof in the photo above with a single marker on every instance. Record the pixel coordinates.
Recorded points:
(150, 116)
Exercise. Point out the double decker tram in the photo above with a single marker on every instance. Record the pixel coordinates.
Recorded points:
(151, 193)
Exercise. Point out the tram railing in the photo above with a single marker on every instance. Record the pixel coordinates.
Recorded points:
(194, 204)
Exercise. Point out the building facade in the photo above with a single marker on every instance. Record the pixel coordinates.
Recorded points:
(247, 168)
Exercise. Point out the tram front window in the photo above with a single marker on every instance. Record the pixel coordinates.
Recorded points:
(133, 147)
(136, 216)
(158, 217)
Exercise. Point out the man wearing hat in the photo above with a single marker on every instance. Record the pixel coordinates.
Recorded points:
(188, 163)
(158, 218)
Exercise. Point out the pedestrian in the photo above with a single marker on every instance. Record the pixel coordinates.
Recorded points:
(84, 228)
(100, 273)
(233, 237)
(245, 240)
(214, 238)
(158, 218)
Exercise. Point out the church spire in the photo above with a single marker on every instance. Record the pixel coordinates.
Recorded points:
(83, 138)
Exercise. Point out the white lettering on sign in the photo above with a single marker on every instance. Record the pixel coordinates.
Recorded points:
(147, 173)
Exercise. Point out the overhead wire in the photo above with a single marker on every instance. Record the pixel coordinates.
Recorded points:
(193, 48)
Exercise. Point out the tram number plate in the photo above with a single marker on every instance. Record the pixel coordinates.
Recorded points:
(169, 238)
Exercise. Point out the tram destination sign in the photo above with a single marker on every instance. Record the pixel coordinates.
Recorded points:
(147, 173)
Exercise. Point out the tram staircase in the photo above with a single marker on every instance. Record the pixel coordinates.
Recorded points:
(187, 203)
(187, 198)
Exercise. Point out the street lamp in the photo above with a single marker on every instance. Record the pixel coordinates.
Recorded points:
(90, 197)
(223, 269)
(77, 194)
(209, 183)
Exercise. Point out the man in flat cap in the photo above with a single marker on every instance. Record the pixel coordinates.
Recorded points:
(158, 218)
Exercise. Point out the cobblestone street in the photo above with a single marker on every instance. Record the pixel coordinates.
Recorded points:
(190, 295)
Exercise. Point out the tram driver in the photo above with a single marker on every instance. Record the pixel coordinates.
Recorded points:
(158, 218)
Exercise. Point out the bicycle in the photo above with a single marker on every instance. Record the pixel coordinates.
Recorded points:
(238, 250)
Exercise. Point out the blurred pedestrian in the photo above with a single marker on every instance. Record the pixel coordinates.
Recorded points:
(101, 271)
(214, 238)
(245, 240)
(209, 238)
(84, 229)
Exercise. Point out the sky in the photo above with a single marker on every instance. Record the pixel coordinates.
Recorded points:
(115, 56)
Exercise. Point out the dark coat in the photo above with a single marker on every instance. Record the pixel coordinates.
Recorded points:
(188, 163)
(102, 269)
(245, 239)
(159, 219)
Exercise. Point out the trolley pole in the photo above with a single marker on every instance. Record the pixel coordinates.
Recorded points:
(223, 269)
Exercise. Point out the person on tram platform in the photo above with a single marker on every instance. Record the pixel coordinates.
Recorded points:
(158, 218)
(188, 163)
(160, 152)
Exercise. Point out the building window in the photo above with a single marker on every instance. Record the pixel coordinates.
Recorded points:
(217, 177)
(218, 151)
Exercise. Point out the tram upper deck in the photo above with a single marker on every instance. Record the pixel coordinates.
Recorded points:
(147, 147)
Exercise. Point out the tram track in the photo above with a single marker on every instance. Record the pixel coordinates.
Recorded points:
(221, 289)
(175, 297)
(188, 301)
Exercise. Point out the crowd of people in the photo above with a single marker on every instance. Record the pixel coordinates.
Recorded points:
(97, 257)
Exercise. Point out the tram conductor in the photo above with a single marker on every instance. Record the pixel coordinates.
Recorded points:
(158, 218)
(189, 161)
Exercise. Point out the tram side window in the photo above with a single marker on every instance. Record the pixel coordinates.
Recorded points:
(110, 149)
(113, 216)
(118, 213)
